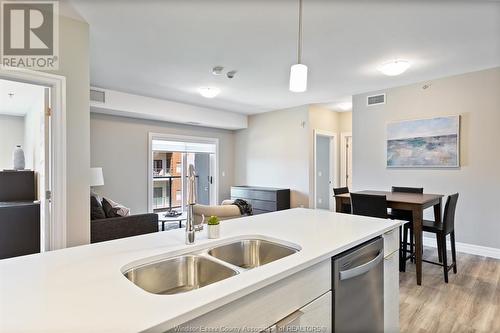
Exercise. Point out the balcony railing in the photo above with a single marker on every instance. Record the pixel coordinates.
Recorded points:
(161, 203)
(161, 172)
(167, 201)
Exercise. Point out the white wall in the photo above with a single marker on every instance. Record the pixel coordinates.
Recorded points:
(476, 97)
(135, 106)
(11, 135)
(274, 152)
(33, 131)
(321, 118)
(120, 147)
(74, 65)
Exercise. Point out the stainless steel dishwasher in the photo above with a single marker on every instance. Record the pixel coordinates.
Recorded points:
(358, 289)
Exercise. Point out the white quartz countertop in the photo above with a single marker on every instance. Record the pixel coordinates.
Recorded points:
(82, 289)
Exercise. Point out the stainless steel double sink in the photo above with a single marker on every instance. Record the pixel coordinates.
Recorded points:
(200, 268)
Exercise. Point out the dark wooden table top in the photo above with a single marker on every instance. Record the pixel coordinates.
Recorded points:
(411, 198)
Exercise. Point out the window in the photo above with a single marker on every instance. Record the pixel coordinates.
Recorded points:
(158, 192)
(157, 168)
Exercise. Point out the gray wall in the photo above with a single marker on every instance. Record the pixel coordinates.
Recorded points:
(11, 135)
(274, 151)
(120, 147)
(476, 97)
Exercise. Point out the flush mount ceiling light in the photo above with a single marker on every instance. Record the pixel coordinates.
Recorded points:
(345, 106)
(209, 92)
(394, 68)
(298, 72)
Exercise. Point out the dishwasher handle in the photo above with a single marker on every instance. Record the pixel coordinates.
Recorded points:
(361, 269)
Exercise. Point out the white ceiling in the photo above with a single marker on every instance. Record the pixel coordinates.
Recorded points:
(166, 49)
(25, 97)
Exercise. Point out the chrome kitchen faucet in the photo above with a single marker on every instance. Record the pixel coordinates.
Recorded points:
(191, 228)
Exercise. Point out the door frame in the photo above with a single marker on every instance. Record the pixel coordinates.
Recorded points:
(185, 138)
(343, 157)
(55, 229)
(333, 165)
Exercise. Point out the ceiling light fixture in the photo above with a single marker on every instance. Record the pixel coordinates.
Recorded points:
(345, 106)
(394, 68)
(298, 72)
(217, 70)
(209, 92)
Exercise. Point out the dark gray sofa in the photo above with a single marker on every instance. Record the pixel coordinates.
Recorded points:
(119, 227)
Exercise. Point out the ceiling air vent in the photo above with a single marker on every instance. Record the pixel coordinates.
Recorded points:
(375, 100)
(97, 96)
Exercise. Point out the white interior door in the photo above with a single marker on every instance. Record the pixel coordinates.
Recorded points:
(324, 169)
(44, 173)
(346, 160)
(349, 161)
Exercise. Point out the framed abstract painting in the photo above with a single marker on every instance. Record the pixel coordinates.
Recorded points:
(424, 143)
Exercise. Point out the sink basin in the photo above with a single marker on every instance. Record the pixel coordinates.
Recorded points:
(251, 253)
(178, 275)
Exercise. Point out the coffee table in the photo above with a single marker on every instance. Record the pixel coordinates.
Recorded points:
(168, 219)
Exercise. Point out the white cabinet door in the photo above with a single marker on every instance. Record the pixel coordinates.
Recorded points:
(314, 317)
(391, 293)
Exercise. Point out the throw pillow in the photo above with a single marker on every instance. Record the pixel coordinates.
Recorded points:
(96, 209)
(114, 209)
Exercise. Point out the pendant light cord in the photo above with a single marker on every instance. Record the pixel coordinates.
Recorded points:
(299, 48)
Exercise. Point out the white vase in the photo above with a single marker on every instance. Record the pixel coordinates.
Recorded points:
(18, 158)
(213, 231)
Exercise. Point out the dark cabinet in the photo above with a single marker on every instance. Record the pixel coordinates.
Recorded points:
(19, 229)
(263, 199)
(19, 214)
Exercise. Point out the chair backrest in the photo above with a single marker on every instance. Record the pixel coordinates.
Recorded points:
(340, 190)
(401, 189)
(449, 213)
(369, 205)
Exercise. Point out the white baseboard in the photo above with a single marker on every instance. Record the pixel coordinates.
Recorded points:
(478, 250)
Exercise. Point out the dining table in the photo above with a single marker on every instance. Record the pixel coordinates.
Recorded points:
(414, 202)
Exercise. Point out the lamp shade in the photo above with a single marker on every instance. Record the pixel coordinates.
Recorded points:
(298, 78)
(96, 177)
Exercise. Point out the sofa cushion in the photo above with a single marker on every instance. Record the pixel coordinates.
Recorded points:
(96, 209)
(113, 209)
(109, 209)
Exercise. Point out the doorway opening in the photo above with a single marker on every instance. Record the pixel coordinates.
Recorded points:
(170, 157)
(25, 164)
(48, 163)
(325, 166)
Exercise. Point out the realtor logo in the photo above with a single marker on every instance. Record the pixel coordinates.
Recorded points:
(30, 34)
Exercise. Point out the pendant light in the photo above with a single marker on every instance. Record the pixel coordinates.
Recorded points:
(298, 72)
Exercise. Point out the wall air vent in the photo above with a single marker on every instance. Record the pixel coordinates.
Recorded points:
(97, 96)
(375, 99)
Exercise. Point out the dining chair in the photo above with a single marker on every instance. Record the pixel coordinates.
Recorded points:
(346, 208)
(405, 215)
(447, 227)
(369, 205)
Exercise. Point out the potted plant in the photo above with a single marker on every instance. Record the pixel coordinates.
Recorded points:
(213, 227)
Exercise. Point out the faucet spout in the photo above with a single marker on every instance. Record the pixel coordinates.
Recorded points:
(191, 228)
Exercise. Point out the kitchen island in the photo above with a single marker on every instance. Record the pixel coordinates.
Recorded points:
(83, 289)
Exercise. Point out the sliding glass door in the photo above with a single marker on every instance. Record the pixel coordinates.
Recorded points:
(170, 162)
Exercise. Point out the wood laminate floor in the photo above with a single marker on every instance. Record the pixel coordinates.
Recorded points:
(470, 302)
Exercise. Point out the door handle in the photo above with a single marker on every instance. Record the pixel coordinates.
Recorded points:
(283, 323)
(361, 269)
